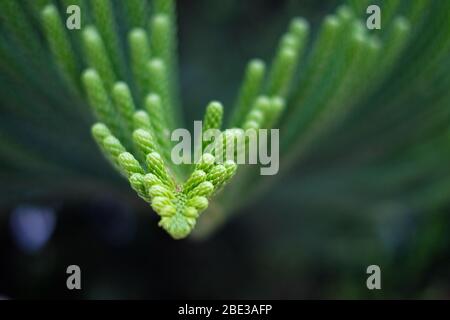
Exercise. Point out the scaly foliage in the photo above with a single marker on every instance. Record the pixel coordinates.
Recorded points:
(133, 92)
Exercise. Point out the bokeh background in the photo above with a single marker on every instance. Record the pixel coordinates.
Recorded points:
(374, 190)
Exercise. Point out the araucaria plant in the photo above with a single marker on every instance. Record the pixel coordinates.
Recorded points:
(136, 118)
(131, 85)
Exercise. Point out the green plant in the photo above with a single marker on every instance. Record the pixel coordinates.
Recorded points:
(132, 89)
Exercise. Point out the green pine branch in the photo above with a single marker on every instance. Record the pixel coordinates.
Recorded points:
(135, 138)
(311, 84)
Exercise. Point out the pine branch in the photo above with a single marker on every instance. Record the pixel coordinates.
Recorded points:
(306, 91)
